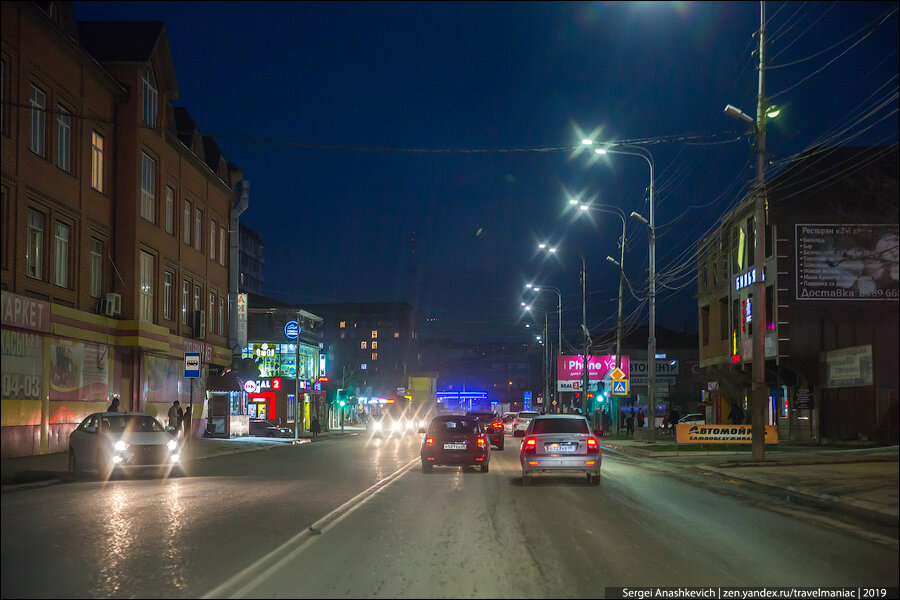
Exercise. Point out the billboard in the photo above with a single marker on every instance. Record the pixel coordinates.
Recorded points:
(569, 370)
(847, 262)
(848, 367)
(690, 433)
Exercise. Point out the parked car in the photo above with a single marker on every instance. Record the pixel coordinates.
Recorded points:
(692, 419)
(522, 420)
(491, 424)
(455, 440)
(560, 444)
(269, 428)
(108, 442)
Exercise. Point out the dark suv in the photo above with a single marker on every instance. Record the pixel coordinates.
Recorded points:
(491, 424)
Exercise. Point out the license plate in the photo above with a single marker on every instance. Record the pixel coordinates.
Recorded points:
(455, 446)
(556, 448)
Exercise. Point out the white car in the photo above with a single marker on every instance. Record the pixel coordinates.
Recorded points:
(522, 421)
(692, 419)
(560, 444)
(122, 441)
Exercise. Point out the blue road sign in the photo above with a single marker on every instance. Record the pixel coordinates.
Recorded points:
(620, 387)
(192, 364)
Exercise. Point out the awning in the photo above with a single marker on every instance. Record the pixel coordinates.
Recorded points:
(228, 382)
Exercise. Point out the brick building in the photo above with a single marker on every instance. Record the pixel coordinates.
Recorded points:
(115, 216)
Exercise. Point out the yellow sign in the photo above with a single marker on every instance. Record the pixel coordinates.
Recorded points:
(617, 373)
(721, 434)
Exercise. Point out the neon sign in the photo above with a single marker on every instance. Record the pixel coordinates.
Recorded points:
(291, 330)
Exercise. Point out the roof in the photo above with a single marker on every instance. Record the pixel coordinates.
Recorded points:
(120, 41)
(184, 126)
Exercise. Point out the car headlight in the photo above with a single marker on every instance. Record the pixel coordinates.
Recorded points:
(120, 446)
(376, 425)
(172, 445)
(396, 425)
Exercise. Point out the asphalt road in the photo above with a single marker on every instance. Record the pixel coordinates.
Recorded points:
(239, 526)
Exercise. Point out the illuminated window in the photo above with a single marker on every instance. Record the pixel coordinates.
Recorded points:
(343, 324)
(374, 356)
(96, 161)
(363, 366)
(374, 345)
(374, 333)
(396, 334)
(362, 345)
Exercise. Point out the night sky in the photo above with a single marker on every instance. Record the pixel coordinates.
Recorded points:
(362, 126)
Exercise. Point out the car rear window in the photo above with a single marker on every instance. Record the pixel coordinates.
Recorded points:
(483, 416)
(539, 426)
(469, 425)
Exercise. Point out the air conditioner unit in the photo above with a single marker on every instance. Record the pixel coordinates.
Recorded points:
(199, 327)
(112, 305)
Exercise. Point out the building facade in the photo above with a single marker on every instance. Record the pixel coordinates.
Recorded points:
(831, 280)
(114, 260)
(252, 261)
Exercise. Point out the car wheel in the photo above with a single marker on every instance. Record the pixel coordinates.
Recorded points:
(74, 468)
(593, 479)
(484, 468)
(426, 467)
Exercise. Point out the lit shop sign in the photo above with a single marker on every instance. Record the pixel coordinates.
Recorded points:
(264, 351)
(321, 365)
(252, 386)
(748, 278)
(291, 330)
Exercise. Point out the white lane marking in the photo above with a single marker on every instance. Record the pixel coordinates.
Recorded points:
(297, 544)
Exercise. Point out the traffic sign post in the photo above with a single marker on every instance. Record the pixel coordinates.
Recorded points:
(620, 387)
(191, 372)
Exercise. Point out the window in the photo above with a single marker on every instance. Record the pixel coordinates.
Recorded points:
(221, 315)
(704, 324)
(167, 296)
(374, 356)
(186, 223)
(196, 297)
(38, 143)
(61, 255)
(148, 188)
(396, 334)
(222, 246)
(723, 318)
(210, 323)
(343, 324)
(34, 253)
(149, 96)
(374, 333)
(770, 308)
(185, 300)
(170, 211)
(63, 139)
(363, 345)
(146, 291)
(96, 161)
(374, 345)
(198, 228)
(363, 366)
(212, 240)
(96, 267)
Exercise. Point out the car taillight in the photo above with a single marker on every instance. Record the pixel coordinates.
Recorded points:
(497, 424)
(592, 445)
(529, 445)
(429, 441)
(482, 443)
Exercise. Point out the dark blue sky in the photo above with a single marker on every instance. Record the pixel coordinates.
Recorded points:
(336, 111)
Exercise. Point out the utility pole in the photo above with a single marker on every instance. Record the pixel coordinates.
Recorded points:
(759, 391)
(587, 339)
(546, 366)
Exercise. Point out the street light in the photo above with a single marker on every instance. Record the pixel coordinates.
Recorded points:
(538, 289)
(651, 341)
(546, 355)
(587, 337)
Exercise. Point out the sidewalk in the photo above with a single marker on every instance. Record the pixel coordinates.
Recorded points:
(863, 481)
(25, 472)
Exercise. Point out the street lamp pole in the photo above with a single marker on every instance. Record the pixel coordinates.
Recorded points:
(539, 288)
(587, 339)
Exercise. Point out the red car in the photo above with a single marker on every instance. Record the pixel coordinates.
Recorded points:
(455, 440)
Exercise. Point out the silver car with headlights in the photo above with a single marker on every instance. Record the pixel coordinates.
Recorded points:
(112, 441)
(522, 420)
(560, 444)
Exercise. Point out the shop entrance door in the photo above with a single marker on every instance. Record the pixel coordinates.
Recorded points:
(261, 406)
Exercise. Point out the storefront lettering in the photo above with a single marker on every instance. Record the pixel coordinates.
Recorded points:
(26, 313)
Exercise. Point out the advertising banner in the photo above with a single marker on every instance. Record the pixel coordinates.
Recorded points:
(79, 371)
(570, 373)
(847, 262)
(23, 356)
(688, 433)
(242, 320)
(848, 367)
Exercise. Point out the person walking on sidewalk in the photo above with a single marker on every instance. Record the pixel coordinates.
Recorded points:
(640, 418)
(174, 417)
(114, 405)
(314, 427)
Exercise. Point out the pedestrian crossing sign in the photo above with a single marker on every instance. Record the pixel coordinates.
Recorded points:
(620, 387)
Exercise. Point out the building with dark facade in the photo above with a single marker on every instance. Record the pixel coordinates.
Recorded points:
(831, 275)
(252, 261)
(371, 347)
(114, 218)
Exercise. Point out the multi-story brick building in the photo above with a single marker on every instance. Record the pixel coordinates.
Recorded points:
(115, 223)
(831, 280)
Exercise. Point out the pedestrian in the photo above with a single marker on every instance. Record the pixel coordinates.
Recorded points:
(114, 405)
(673, 418)
(640, 418)
(630, 423)
(314, 426)
(173, 415)
(186, 421)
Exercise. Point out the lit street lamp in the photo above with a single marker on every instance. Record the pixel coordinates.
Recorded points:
(537, 289)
